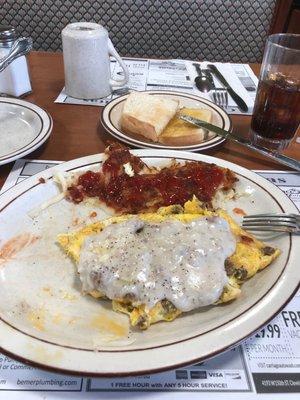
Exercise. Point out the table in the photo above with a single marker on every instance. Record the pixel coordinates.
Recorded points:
(77, 131)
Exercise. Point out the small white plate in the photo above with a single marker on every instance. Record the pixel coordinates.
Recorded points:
(45, 320)
(23, 128)
(111, 117)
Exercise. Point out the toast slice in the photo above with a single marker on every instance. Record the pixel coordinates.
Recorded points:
(147, 115)
(182, 133)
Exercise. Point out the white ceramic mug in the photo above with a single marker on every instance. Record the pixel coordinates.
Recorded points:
(86, 51)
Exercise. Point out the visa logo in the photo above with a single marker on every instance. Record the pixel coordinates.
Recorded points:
(215, 374)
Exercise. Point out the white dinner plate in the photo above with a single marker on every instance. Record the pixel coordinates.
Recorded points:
(111, 117)
(46, 321)
(23, 128)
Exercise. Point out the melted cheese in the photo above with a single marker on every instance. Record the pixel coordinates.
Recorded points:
(180, 262)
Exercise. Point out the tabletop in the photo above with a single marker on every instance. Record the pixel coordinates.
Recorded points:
(77, 131)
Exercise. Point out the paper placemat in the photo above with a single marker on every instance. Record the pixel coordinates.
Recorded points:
(268, 362)
(176, 75)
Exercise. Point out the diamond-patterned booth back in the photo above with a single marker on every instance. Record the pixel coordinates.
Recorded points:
(216, 30)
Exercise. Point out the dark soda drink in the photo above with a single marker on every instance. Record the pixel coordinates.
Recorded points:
(276, 113)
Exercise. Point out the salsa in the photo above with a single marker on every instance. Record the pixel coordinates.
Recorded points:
(146, 189)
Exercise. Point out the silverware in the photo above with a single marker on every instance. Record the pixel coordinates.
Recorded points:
(280, 158)
(220, 97)
(20, 47)
(204, 81)
(272, 222)
(239, 101)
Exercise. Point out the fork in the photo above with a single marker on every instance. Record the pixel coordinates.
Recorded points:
(220, 97)
(272, 222)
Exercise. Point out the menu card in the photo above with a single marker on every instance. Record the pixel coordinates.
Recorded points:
(176, 75)
(266, 363)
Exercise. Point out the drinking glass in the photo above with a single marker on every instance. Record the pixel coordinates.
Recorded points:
(276, 113)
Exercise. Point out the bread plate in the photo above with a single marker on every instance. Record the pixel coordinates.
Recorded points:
(111, 118)
(23, 128)
(45, 321)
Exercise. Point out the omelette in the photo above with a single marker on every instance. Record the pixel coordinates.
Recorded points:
(156, 266)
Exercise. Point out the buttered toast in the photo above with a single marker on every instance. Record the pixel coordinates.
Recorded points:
(182, 133)
(157, 118)
(147, 115)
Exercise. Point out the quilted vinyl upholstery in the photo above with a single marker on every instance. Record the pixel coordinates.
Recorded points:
(218, 30)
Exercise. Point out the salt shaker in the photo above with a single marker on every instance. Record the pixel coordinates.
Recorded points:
(14, 80)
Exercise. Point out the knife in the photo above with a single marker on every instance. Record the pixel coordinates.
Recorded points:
(239, 101)
(280, 158)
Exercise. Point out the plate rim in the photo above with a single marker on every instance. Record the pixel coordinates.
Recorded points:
(213, 142)
(33, 181)
(42, 136)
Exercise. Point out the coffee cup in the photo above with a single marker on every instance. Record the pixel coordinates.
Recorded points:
(86, 51)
